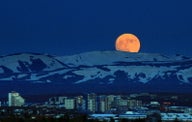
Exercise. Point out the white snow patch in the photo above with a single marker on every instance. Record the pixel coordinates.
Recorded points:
(90, 73)
(67, 76)
(186, 73)
(22, 75)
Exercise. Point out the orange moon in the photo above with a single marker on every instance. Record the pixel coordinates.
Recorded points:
(127, 43)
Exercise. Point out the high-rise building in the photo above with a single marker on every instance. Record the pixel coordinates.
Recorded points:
(80, 103)
(79, 99)
(69, 103)
(14, 99)
(110, 101)
(102, 103)
(92, 102)
(61, 99)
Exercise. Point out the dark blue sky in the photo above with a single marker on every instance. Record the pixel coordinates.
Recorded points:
(63, 27)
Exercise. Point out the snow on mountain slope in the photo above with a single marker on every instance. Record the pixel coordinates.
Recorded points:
(142, 73)
(110, 57)
(100, 69)
(185, 75)
(28, 62)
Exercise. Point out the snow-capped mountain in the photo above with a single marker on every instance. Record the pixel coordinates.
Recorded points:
(99, 71)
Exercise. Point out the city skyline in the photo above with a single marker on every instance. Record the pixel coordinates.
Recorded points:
(70, 27)
(99, 107)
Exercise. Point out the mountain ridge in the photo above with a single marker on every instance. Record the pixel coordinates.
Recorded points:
(107, 71)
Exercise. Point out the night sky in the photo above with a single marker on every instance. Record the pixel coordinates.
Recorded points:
(65, 27)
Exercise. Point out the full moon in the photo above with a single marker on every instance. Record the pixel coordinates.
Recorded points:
(127, 43)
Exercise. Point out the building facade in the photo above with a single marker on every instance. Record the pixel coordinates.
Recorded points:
(14, 99)
(92, 102)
